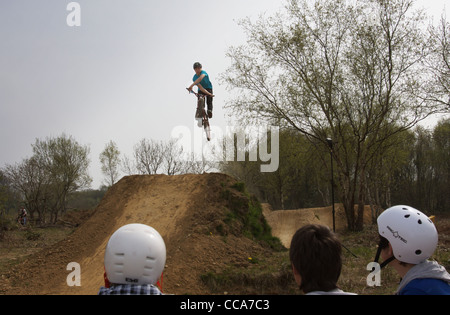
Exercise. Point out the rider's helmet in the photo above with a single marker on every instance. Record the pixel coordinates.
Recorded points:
(135, 254)
(411, 233)
(197, 65)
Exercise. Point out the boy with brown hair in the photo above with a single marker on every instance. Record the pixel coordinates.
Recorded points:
(315, 255)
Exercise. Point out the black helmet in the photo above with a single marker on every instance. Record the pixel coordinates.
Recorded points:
(197, 65)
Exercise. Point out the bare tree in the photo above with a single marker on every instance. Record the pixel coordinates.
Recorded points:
(32, 183)
(198, 164)
(153, 157)
(110, 160)
(437, 89)
(173, 158)
(128, 166)
(149, 156)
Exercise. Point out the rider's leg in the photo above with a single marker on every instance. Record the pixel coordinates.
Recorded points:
(209, 101)
(200, 107)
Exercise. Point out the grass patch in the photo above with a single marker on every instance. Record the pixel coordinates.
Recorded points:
(246, 211)
(265, 275)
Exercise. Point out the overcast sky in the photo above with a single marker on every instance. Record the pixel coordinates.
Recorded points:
(119, 76)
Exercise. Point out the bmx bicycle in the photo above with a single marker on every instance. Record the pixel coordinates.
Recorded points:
(201, 114)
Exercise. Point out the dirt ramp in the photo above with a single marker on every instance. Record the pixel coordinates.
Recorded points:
(160, 201)
(285, 223)
(189, 211)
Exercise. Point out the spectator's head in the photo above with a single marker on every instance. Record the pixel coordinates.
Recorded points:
(315, 255)
(135, 254)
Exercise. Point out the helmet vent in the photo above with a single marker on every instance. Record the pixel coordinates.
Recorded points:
(418, 252)
(420, 221)
(407, 216)
(405, 209)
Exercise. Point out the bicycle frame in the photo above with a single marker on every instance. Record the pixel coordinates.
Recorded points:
(204, 116)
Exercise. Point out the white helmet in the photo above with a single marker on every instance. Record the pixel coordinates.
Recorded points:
(135, 254)
(411, 233)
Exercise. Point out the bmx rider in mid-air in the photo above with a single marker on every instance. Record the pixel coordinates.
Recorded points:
(202, 81)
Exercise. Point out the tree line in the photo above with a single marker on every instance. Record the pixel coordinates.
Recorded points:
(44, 182)
(150, 157)
(361, 73)
(414, 169)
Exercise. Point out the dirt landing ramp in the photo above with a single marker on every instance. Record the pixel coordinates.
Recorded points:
(187, 210)
(285, 223)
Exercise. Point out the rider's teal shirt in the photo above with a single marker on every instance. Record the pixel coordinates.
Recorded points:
(206, 83)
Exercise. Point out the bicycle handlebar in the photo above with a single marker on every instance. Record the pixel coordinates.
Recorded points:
(190, 91)
(198, 94)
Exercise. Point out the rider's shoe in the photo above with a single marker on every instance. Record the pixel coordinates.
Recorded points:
(210, 114)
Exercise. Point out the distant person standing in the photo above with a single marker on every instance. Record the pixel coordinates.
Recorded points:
(202, 81)
(22, 217)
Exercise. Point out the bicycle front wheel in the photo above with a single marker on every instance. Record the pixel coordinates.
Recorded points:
(207, 130)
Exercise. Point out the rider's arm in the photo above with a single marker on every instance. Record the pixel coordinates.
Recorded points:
(197, 81)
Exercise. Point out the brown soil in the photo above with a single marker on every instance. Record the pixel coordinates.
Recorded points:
(187, 210)
(285, 223)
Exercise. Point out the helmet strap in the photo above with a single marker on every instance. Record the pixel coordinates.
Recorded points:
(377, 257)
(386, 262)
(159, 283)
(107, 283)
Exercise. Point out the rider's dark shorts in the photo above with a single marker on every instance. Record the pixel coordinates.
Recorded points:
(209, 99)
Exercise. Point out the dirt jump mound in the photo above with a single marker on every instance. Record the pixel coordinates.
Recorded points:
(206, 221)
(285, 223)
